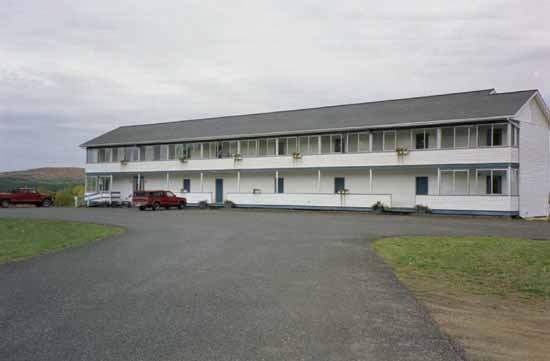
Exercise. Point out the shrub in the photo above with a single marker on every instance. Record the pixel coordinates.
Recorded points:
(203, 204)
(228, 204)
(380, 207)
(421, 209)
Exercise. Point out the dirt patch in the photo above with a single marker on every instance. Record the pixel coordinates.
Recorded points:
(492, 328)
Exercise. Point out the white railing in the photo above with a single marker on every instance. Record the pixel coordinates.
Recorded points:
(477, 203)
(314, 200)
(98, 198)
(196, 197)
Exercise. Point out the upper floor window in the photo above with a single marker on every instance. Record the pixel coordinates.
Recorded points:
(249, 148)
(288, 146)
(266, 147)
(358, 142)
(333, 143)
(308, 144)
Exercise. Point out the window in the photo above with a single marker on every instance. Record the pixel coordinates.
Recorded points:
(377, 141)
(462, 137)
(249, 148)
(130, 154)
(420, 141)
(91, 155)
(164, 152)
(114, 157)
(187, 185)
(103, 184)
(492, 135)
(325, 144)
(91, 184)
(332, 144)
(339, 184)
(280, 185)
(492, 181)
(266, 147)
(104, 155)
(149, 153)
(454, 181)
(196, 150)
(229, 149)
(172, 151)
(358, 142)
(288, 146)
(389, 140)
(303, 145)
(337, 143)
(403, 139)
(156, 152)
(447, 138)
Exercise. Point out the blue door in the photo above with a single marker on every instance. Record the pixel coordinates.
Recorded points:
(280, 185)
(339, 184)
(421, 186)
(219, 190)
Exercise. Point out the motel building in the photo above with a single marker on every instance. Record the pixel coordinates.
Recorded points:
(478, 152)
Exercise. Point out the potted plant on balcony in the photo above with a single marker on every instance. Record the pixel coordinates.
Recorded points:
(237, 157)
(256, 191)
(343, 191)
(183, 159)
(296, 155)
(401, 151)
(124, 162)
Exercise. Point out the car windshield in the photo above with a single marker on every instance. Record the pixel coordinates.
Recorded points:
(170, 194)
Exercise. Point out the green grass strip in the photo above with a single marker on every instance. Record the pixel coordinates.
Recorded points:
(480, 265)
(24, 238)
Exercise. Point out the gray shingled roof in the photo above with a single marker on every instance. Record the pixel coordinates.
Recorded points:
(446, 107)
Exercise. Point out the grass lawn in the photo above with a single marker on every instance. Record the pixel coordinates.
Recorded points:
(24, 238)
(477, 265)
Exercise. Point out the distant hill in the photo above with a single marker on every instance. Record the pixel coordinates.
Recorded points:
(52, 178)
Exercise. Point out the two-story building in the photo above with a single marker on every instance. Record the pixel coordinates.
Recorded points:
(478, 152)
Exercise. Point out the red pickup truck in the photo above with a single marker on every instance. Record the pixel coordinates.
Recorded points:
(157, 199)
(25, 196)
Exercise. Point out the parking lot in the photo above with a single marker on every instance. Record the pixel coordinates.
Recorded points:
(227, 285)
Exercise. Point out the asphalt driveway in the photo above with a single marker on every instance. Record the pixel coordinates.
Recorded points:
(226, 285)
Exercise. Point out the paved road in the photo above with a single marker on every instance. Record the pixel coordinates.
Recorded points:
(226, 285)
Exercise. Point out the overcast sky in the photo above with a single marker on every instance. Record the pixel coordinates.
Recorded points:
(70, 70)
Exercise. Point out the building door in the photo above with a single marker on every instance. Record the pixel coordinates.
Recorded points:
(339, 184)
(280, 185)
(219, 190)
(187, 185)
(421, 186)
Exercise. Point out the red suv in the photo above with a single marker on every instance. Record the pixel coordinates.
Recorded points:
(157, 199)
(25, 196)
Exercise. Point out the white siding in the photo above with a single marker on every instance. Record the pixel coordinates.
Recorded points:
(534, 156)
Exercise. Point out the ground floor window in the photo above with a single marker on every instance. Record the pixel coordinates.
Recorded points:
(339, 184)
(492, 181)
(91, 184)
(455, 181)
(103, 184)
(187, 185)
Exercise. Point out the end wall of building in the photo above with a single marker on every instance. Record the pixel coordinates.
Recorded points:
(534, 156)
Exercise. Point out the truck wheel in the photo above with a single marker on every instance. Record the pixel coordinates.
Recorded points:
(142, 208)
(5, 203)
(181, 205)
(156, 206)
(46, 203)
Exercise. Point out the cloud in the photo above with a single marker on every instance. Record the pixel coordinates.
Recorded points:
(80, 68)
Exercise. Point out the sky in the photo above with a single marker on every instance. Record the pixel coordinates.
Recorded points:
(73, 69)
